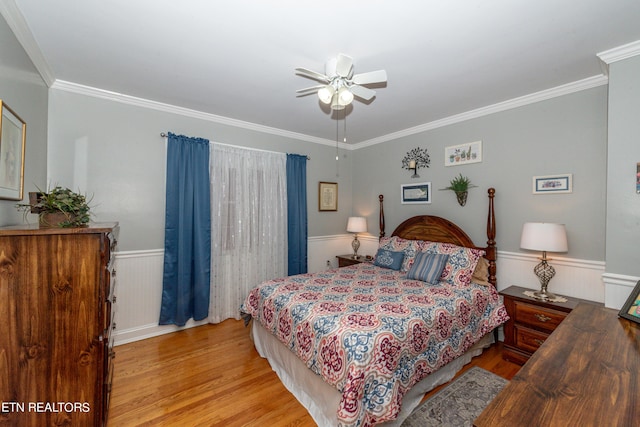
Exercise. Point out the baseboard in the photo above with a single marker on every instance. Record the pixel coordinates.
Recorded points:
(150, 330)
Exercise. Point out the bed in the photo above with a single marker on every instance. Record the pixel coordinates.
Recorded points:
(360, 345)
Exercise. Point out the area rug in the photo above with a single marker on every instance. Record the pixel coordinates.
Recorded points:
(459, 403)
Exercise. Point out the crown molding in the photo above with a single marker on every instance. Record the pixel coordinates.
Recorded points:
(18, 25)
(577, 86)
(569, 88)
(619, 53)
(173, 109)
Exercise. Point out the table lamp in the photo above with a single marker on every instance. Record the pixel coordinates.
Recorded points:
(545, 237)
(356, 224)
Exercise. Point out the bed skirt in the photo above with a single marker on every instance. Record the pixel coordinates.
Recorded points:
(322, 400)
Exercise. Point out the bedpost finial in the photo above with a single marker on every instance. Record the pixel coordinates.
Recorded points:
(382, 232)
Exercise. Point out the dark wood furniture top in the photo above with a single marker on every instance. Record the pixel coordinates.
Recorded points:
(346, 260)
(531, 321)
(437, 229)
(586, 374)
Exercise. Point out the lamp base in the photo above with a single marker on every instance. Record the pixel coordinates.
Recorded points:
(545, 273)
(355, 245)
(543, 295)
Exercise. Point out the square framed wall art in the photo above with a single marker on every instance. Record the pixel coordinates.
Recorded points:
(419, 193)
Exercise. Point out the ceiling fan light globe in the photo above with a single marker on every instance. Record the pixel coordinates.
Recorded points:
(335, 105)
(345, 97)
(326, 94)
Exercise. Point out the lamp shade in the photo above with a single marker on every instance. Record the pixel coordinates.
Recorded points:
(544, 236)
(357, 224)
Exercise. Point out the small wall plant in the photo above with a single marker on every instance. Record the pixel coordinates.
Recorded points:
(460, 185)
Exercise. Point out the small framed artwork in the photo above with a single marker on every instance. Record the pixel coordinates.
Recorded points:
(631, 308)
(12, 145)
(638, 178)
(553, 184)
(463, 154)
(328, 196)
(416, 193)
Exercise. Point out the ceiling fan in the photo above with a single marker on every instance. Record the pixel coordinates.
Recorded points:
(340, 85)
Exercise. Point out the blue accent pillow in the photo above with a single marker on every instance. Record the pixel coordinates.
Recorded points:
(389, 259)
(428, 267)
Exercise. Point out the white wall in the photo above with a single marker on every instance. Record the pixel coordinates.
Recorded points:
(22, 89)
(566, 134)
(623, 203)
(112, 149)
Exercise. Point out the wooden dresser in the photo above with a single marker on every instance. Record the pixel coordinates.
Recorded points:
(587, 373)
(57, 290)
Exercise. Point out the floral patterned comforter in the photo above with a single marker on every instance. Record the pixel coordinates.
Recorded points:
(372, 333)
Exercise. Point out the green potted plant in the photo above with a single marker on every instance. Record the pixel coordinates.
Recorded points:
(460, 185)
(58, 207)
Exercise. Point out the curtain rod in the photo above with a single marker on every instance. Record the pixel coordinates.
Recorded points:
(164, 135)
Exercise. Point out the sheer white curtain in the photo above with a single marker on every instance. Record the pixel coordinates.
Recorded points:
(248, 225)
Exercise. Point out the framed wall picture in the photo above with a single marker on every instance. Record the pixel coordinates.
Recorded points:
(416, 193)
(12, 148)
(553, 184)
(638, 178)
(328, 196)
(463, 154)
(631, 308)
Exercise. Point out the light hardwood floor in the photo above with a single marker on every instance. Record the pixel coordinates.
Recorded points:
(212, 376)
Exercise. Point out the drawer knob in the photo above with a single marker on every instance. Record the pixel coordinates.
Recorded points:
(539, 341)
(542, 317)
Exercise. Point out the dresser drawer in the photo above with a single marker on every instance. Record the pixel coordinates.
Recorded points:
(538, 317)
(529, 339)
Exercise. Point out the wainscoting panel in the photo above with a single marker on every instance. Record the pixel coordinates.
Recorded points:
(574, 278)
(618, 288)
(139, 293)
(139, 281)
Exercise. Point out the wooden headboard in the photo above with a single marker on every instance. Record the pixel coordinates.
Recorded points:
(437, 229)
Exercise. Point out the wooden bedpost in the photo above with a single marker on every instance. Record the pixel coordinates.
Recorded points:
(381, 198)
(492, 253)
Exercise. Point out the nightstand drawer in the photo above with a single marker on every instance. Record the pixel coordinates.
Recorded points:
(529, 339)
(347, 260)
(538, 317)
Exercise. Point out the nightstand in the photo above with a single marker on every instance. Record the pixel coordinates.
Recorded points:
(345, 260)
(531, 322)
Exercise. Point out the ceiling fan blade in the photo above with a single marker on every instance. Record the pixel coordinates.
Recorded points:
(309, 90)
(312, 74)
(379, 76)
(344, 66)
(362, 92)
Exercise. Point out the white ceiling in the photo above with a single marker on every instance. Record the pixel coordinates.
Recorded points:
(236, 58)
